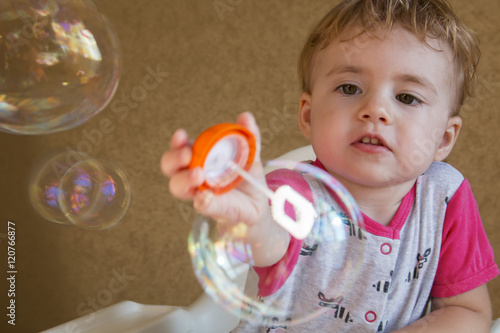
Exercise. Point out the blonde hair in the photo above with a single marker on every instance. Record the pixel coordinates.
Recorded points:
(424, 18)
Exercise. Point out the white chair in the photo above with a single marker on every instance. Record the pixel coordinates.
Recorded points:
(203, 316)
(131, 317)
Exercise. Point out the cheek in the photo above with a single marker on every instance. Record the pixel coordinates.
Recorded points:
(419, 149)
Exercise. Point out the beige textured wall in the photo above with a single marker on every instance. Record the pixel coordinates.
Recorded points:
(218, 66)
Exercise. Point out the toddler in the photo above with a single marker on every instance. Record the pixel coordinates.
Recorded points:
(382, 85)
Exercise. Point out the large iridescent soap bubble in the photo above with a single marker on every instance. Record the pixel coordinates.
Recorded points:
(60, 64)
(329, 220)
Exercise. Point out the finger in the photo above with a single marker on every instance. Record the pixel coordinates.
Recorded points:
(175, 160)
(184, 184)
(179, 139)
(225, 208)
(247, 120)
(209, 204)
(179, 155)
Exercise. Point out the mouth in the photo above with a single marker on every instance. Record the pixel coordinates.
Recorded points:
(372, 143)
(367, 140)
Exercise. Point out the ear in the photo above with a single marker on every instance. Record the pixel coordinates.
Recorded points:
(305, 114)
(449, 138)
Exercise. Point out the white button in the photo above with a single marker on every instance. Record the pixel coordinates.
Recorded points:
(386, 248)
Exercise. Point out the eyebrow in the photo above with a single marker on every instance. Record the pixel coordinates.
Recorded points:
(344, 69)
(421, 81)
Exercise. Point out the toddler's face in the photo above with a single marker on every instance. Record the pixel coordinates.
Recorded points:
(379, 110)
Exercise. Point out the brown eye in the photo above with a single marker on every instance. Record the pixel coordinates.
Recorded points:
(349, 89)
(406, 99)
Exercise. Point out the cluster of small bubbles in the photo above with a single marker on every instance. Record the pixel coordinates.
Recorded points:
(222, 260)
(59, 64)
(90, 193)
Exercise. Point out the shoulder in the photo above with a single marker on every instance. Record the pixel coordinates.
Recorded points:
(441, 177)
(443, 171)
(289, 177)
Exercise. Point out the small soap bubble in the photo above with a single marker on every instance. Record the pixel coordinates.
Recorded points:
(90, 193)
(222, 260)
(59, 64)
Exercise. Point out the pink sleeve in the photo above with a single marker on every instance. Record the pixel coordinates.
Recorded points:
(466, 260)
(273, 277)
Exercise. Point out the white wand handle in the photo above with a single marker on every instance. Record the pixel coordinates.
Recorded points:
(305, 214)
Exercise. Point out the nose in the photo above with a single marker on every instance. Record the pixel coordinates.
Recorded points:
(375, 110)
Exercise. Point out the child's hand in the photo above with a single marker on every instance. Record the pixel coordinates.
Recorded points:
(242, 204)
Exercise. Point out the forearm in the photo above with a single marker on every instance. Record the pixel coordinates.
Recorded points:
(450, 319)
(268, 241)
